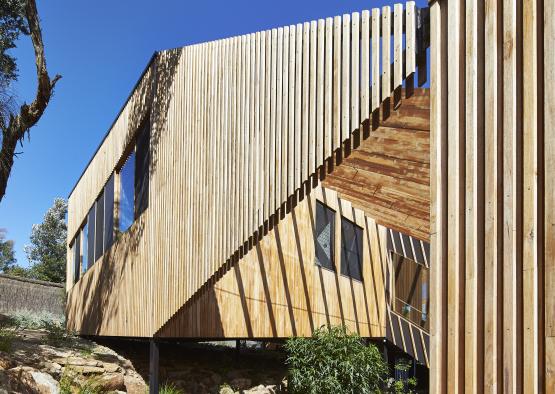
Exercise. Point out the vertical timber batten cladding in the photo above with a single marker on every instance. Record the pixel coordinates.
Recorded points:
(240, 130)
(292, 295)
(493, 196)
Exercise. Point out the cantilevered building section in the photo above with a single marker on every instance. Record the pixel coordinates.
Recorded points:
(265, 185)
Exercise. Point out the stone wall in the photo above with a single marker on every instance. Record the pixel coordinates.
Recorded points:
(18, 294)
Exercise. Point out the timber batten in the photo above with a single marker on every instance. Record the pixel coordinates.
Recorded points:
(492, 204)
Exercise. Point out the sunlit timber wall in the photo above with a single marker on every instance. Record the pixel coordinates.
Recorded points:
(277, 290)
(493, 196)
(239, 127)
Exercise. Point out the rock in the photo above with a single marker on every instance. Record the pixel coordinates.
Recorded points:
(110, 382)
(77, 362)
(241, 383)
(53, 369)
(261, 389)
(134, 384)
(226, 390)
(111, 368)
(6, 362)
(28, 380)
(86, 370)
(45, 383)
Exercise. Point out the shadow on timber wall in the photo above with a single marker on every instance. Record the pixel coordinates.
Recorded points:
(100, 287)
(277, 290)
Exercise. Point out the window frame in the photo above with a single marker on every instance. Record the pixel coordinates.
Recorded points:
(341, 248)
(393, 291)
(333, 236)
(132, 150)
(91, 214)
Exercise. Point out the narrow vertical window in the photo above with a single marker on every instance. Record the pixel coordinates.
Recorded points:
(142, 157)
(85, 235)
(351, 249)
(99, 226)
(324, 237)
(109, 213)
(76, 251)
(127, 191)
(90, 236)
(411, 289)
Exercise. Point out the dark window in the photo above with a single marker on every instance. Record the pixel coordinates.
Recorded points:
(99, 226)
(324, 237)
(90, 240)
(411, 290)
(127, 191)
(85, 236)
(76, 257)
(109, 213)
(351, 249)
(142, 159)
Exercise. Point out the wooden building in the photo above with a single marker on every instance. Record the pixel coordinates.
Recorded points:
(262, 186)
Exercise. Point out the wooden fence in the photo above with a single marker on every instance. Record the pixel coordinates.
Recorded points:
(493, 196)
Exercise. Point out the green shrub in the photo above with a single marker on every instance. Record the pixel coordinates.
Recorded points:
(70, 383)
(55, 332)
(334, 361)
(28, 320)
(401, 386)
(6, 339)
(169, 388)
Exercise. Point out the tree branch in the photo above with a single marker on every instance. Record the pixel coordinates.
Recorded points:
(29, 114)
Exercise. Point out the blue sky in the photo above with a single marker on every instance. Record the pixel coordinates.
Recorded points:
(100, 48)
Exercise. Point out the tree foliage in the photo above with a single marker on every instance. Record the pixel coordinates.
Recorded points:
(19, 17)
(334, 361)
(47, 251)
(7, 253)
(12, 24)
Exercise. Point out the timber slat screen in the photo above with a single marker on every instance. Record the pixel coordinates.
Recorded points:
(239, 128)
(493, 196)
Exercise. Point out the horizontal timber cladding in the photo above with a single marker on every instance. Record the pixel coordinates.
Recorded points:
(240, 128)
(276, 290)
(388, 174)
(493, 196)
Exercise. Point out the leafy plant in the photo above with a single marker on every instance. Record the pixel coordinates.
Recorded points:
(28, 320)
(334, 361)
(6, 339)
(56, 333)
(169, 388)
(70, 383)
(404, 384)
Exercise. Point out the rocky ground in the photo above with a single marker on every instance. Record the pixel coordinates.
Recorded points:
(210, 368)
(34, 363)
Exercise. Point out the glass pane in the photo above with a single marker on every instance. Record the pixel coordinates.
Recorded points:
(142, 170)
(109, 213)
(99, 225)
(85, 235)
(411, 290)
(127, 187)
(76, 258)
(324, 237)
(90, 237)
(351, 249)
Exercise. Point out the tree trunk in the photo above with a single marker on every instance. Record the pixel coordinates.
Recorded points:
(29, 114)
